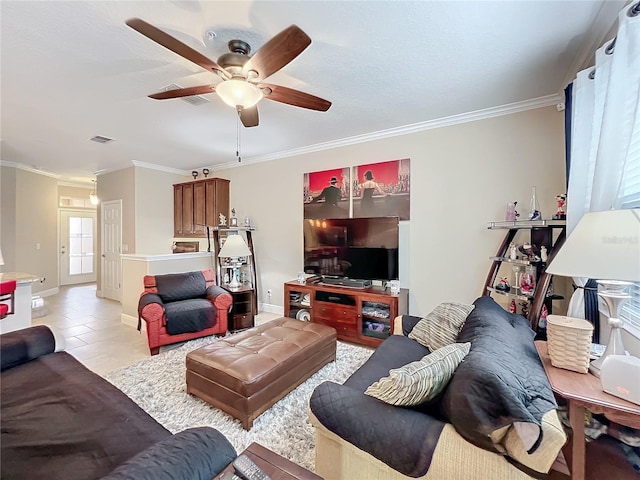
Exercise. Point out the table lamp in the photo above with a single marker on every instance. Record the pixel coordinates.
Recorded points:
(604, 246)
(234, 248)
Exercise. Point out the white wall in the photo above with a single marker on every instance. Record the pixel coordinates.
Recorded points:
(462, 176)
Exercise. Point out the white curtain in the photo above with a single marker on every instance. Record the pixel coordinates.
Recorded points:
(606, 116)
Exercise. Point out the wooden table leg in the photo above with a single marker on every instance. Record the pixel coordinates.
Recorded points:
(576, 418)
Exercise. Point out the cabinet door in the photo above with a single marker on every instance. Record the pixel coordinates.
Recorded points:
(177, 211)
(216, 200)
(199, 204)
(187, 209)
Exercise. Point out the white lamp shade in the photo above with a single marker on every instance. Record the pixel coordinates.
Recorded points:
(1, 259)
(234, 247)
(237, 92)
(603, 246)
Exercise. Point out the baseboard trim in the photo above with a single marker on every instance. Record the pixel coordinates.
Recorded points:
(46, 293)
(270, 308)
(132, 321)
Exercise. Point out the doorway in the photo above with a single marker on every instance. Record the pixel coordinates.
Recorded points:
(77, 246)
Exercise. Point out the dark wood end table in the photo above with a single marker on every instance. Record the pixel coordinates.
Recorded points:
(277, 467)
(584, 391)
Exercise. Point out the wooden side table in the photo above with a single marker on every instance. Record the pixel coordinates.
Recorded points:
(584, 391)
(277, 467)
(242, 307)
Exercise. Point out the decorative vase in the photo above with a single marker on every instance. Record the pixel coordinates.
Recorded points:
(534, 207)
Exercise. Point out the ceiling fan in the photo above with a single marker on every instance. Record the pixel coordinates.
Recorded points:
(242, 75)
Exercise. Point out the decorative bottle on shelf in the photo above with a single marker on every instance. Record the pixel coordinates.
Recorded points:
(534, 207)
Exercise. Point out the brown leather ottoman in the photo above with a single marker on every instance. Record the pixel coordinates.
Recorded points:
(246, 373)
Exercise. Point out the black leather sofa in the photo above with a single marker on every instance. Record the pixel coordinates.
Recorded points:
(59, 420)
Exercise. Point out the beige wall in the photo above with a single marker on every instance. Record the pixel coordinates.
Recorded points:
(462, 176)
(8, 218)
(29, 225)
(154, 210)
(74, 192)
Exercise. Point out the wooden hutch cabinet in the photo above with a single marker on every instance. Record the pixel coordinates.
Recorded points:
(199, 203)
(362, 316)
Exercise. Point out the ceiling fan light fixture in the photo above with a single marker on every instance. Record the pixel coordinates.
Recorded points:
(237, 92)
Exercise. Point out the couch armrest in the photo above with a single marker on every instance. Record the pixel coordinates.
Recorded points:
(378, 428)
(193, 454)
(24, 345)
(219, 297)
(408, 322)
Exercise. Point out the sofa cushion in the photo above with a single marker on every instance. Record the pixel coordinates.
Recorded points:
(421, 380)
(501, 386)
(442, 326)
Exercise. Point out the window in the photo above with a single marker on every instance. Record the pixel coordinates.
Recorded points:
(630, 198)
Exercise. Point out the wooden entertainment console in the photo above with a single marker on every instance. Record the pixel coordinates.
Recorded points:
(362, 316)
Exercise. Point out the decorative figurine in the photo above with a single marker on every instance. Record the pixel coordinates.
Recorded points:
(527, 281)
(233, 221)
(512, 306)
(512, 213)
(542, 322)
(543, 254)
(530, 251)
(513, 251)
(194, 174)
(223, 219)
(560, 213)
(205, 172)
(503, 285)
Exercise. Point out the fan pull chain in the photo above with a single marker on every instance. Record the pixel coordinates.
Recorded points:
(238, 136)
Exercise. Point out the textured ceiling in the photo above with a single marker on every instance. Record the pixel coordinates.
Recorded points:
(73, 70)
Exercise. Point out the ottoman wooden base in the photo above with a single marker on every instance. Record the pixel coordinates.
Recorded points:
(246, 373)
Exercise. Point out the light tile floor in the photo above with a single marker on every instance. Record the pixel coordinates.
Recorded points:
(93, 331)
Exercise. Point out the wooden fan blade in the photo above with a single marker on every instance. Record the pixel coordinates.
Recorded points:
(249, 116)
(183, 92)
(277, 52)
(293, 97)
(174, 45)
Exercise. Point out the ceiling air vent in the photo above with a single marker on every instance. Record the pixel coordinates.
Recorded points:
(193, 99)
(101, 139)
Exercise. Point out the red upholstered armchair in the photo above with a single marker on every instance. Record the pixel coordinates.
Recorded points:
(7, 293)
(181, 306)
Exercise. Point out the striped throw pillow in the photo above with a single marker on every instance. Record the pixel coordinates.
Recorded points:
(420, 381)
(442, 326)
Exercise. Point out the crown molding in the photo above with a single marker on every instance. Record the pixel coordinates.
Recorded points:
(26, 168)
(474, 116)
(153, 166)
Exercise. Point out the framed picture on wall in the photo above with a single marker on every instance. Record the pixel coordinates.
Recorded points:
(326, 194)
(382, 189)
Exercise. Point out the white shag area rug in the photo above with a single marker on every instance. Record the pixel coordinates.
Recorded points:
(157, 385)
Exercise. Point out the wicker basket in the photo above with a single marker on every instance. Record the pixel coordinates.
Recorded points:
(568, 340)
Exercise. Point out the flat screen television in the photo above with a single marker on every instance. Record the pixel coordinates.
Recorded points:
(355, 248)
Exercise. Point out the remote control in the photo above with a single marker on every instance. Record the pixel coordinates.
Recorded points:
(248, 470)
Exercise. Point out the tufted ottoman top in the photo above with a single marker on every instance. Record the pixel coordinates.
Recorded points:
(247, 361)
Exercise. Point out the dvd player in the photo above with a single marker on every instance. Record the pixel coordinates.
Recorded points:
(346, 282)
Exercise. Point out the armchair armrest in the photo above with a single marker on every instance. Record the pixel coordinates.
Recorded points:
(219, 297)
(150, 307)
(378, 428)
(193, 454)
(22, 346)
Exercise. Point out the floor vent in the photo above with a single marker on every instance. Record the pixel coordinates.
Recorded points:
(101, 139)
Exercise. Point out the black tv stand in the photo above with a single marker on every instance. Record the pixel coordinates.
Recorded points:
(345, 281)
